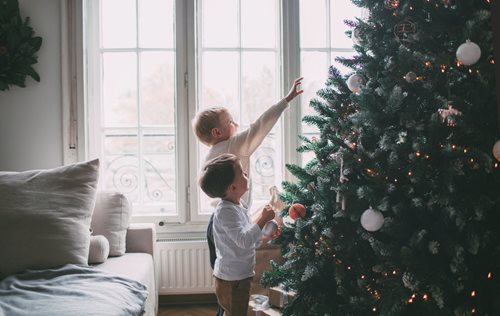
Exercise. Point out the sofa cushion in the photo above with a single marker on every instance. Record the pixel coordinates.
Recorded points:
(111, 219)
(45, 216)
(138, 267)
(99, 249)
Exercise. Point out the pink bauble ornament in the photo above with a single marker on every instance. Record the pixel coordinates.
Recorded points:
(372, 220)
(297, 210)
(496, 150)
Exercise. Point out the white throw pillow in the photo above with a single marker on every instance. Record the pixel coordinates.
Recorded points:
(99, 249)
(111, 218)
(45, 216)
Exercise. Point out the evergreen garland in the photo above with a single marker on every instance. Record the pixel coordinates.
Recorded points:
(18, 47)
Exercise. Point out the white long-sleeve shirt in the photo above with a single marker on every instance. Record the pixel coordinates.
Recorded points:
(235, 239)
(245, 143)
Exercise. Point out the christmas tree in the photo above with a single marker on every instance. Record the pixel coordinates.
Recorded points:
(402, 198)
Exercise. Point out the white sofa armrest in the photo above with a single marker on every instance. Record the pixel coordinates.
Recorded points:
(141, 237)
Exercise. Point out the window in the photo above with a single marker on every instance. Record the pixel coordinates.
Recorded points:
(322, 39)
(152, 64)
(241, 71)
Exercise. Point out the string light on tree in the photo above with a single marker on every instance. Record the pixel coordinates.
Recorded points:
(468, 53)
(372, 220)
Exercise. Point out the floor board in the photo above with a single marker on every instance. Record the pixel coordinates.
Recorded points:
(187, 310)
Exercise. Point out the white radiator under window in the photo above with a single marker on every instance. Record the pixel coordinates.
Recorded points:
(184, 267)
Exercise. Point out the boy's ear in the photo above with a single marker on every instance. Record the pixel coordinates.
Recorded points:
(215, 132)
(231, 188)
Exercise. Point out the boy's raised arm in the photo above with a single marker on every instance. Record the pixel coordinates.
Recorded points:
(248, 140)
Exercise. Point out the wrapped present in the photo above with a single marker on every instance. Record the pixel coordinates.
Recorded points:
(259, 306)
(278, 296)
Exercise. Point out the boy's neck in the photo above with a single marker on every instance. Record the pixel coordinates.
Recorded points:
(235, 200)
(216, 141)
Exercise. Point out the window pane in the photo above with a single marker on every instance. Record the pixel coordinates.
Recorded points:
(159, 181)
(314, 68)
(340, 11)
(119, 89)
(258, 23)
(118, 30)
(220, 78)
(219, 23)
(265, 169)
(317, 55)
(157, 88)
(258, 85)
(121, 173)
(120, 142)
(156, 23)
(313, 29)
(240, 71)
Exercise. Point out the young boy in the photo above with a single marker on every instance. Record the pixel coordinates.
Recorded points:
(235, 236)
(216, 128)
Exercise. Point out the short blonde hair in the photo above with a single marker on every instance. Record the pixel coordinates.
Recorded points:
(205, 121)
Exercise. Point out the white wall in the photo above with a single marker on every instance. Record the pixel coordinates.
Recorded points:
(31, 117)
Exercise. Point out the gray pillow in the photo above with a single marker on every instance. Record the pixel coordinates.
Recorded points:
(45, 216)
(99, 249)
(111, 219)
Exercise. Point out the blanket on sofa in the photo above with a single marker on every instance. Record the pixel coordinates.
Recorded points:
(70, 290)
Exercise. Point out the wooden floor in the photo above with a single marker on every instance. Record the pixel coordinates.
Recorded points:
(187, 310)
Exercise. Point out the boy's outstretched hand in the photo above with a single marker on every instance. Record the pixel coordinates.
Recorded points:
(294, 90)
(266, 215)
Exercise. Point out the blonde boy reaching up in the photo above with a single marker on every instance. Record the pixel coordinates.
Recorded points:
(216, 128)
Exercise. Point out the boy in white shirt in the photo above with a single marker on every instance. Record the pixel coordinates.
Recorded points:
(234, 235)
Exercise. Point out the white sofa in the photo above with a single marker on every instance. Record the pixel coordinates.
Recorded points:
(138, 262)
(50, 221)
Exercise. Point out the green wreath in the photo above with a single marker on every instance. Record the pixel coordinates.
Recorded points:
(18, 46)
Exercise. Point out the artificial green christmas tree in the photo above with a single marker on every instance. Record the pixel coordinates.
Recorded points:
(402, 198)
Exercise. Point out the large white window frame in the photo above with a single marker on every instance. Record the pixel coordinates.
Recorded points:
(77, 112)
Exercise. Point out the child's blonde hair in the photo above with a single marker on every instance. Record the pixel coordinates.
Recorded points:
(205, 121)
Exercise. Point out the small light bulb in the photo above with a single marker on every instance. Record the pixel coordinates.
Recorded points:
(473, 293)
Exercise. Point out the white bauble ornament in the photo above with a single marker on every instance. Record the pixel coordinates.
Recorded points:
(372, 220)
(496, 150)
(468, 53)
(270, 228)
(355, 83)
(410, 77)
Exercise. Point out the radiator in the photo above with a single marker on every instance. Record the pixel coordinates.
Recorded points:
(184, 267)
